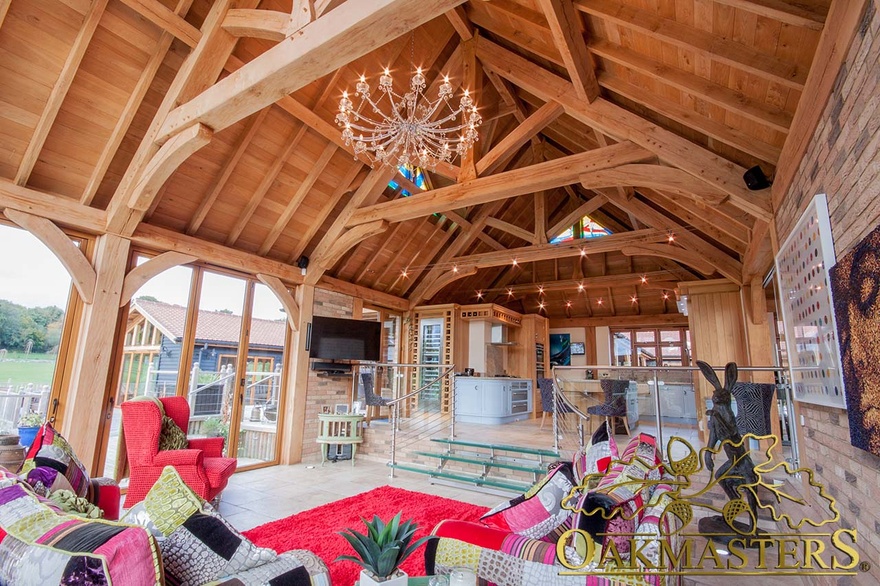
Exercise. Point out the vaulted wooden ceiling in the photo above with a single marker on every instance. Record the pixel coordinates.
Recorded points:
(208, 127)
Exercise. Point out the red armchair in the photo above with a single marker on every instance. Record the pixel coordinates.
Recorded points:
(202, 466)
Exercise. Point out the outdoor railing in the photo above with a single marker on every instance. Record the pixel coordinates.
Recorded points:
(661, 401)
(17, 401)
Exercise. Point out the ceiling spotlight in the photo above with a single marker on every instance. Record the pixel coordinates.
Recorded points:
(479, 294)
(541, 289)
(510, 292)
(541, 305)
(568, 303)
(454, 268)
(634, 299)
(515, 263)
(644, 279)
(580, 287)
(403, 273)
(583, 252)
(671, 237)
(665, 295)
(599, 301)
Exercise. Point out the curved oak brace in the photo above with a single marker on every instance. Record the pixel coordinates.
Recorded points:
(172, 154)
(73, 259)
(139, 275)
(686, 257)
(656, 177)
(349, 240)
(291, 308)
(271, 25)
(450, 277)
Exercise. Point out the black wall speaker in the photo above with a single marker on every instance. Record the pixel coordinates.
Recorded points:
(755, 179)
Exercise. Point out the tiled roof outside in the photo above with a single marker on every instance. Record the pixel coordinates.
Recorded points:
(212, 326)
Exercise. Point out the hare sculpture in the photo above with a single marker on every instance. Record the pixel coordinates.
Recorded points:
(739, 469)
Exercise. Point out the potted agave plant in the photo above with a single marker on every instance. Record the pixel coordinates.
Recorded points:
(382, 549)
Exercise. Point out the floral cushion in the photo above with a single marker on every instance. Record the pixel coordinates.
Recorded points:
(171, 437)
(538, 512)
(198, 546)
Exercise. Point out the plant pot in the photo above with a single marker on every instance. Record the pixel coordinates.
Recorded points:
(27, 435)
(399, 579)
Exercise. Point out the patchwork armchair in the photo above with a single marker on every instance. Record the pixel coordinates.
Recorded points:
(201, 465)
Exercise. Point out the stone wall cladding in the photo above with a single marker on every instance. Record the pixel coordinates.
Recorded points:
(843, 161)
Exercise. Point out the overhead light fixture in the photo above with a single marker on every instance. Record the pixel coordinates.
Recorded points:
(303, 263)
(408, 129)
(479, 294)
(644, 279)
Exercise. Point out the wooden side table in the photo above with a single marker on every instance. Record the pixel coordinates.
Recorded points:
(339, 429)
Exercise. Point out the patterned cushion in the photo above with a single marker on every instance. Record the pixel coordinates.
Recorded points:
(596, 458)
(198, 546)
(51, 450)
(171, 437)
(539, 511)
(39, 545)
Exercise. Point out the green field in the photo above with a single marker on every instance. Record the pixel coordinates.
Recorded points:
(20, 369)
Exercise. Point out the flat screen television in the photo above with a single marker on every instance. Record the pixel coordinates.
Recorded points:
(578, 349)
(345, 339)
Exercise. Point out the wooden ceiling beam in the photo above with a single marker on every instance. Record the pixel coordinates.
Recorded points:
(705, 43)
(505, 185)
(589, 282)
(369, 295)
(317, 49)
(166, 19)
(676, 253)
(624, 125)
(482, 236)
(302, 191)
(694, 85)
(268, 178)
(460, 22)
(244, 141)
(656, 177)
(130, 109)
(351, 180)
(4, 9)
(706, 220)
(565, 28)
(59, 90)
(529, 128)
(786, 12)
(540, 217)
(688, 117)
(61, 210)
(539, 252)
(270, 25)
(727, 266)
(585, 209)
(142, 273)
(347, 241)
(156, 238)
(200, 69)
(511, 229)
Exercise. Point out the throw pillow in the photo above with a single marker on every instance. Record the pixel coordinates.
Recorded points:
(172, 437)
(68, 502)
(596, 458)
(539, 511)
(51, 450)
(198, 546)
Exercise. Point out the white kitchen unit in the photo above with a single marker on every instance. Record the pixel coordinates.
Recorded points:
(492, 400)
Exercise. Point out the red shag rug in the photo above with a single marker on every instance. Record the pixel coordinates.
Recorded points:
(316, 529)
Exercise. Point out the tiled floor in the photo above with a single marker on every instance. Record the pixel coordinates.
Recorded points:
(259, 496)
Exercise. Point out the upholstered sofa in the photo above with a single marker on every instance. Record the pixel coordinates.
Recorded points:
(172, 537)
(612, 498)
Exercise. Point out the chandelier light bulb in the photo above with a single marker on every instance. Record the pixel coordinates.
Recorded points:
(396, 129)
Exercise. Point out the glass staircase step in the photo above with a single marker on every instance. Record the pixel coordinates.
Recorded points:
(501, 447)
(510, 485)
(484, 462)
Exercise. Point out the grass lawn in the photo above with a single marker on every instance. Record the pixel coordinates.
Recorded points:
(21, 369)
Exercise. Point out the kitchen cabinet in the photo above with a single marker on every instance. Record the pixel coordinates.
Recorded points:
(492, 400)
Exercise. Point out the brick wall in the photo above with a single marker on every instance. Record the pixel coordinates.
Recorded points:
(325, 390)
(843, 161)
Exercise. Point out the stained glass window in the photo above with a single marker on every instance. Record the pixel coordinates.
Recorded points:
(585, 228)
(414, 174)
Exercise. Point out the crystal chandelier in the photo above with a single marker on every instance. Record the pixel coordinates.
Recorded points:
(408, 129)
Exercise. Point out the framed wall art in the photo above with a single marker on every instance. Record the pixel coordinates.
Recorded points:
(802, 270)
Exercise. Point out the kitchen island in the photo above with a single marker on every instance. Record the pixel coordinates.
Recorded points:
(492, 400)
